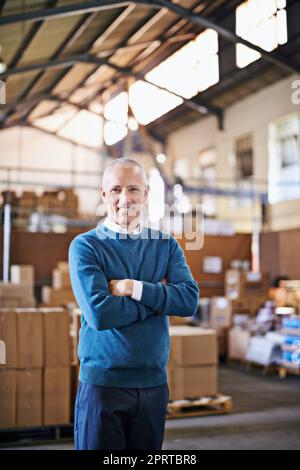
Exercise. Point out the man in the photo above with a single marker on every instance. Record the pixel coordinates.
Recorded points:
(127, 279)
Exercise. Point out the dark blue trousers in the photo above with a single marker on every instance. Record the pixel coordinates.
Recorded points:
(111, 418)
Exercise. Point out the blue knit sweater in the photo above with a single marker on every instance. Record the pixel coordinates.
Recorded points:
(125, 343)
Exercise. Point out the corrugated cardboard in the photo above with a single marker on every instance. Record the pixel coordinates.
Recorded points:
(22, 274)
(56, 326)
(63, 266)
(8, 390)
(29, 398)
(61, 279)
(238, 343)
(240, 285)
(220, 312)
(192, 382)
(16, 295)
(56, 396)
(29, 338)
(175, 320)
(8, 334)
(57, 297)
(191, 346)
(75, 326)
(15, 290)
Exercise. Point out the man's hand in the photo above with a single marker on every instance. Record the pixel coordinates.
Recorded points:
(121, 287)
(124, 287)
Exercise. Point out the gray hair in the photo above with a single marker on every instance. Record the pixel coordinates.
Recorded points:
(125, 163)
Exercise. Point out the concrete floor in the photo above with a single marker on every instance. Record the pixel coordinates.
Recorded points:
(266, 415)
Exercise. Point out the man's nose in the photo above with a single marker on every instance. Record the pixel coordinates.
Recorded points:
(123, 197)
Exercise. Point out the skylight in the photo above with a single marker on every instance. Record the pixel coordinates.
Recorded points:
(263, 23)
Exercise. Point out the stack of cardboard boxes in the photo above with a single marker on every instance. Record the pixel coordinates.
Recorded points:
(246, 290)
(35, 372)
(220, 320)
(63, 202)
(60, 294)
(20, 291)
(192, 367)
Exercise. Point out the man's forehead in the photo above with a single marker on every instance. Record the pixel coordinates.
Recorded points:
(124, 177)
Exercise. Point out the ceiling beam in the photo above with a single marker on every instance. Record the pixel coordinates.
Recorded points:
(200, 107)
(87, 19)
(80, 27)
(96, 6)
(63, 11)
(29, 37)
(273, 57)
(43, 97)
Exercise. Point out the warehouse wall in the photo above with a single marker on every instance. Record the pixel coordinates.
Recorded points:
(23, 147)
(251, 115)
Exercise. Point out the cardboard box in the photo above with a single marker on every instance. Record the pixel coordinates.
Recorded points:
(10, 290)
(63, 266)
(75, 326)
(191, 346)
(61, 279)
(28, 199)
(74, 386)
(8, 334)
(16, 295)
(248, 305)
(17, 302)
(192, 382)
(29, 338)
(29, 398)
(57, 297)
(56, 330)
(176, 321)
(220, 313)
(8, 391)
(27, 302)
(238, 343)
(57, 396)
(22, 274)
(240, 284)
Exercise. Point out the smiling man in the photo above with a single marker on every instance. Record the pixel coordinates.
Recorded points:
(127, 280)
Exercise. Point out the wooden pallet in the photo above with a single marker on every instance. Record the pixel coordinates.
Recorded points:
(36, 435)
(270, 369)
(220, 404)
(285, 370)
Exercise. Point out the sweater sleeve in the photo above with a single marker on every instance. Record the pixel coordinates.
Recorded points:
(101, 309)
(180, 296)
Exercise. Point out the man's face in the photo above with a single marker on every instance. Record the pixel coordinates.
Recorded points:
(125, 193)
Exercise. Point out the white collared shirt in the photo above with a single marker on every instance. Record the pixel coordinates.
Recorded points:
(137, 289)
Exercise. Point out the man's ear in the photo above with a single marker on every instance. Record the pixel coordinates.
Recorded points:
(146, 192)
(102, 193)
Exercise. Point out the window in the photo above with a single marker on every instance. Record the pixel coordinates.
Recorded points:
(284, 165)
(263, 23)
(190, 70)
(244, 157)
(243, 152)
(116, 116)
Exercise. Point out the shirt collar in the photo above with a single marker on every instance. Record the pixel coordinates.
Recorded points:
(119, 229)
